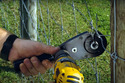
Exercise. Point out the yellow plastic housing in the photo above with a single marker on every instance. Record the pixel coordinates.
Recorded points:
(67, 72)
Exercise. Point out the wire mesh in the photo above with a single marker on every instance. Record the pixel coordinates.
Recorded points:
(57, 21)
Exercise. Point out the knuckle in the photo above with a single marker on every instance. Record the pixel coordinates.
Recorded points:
(37, 49)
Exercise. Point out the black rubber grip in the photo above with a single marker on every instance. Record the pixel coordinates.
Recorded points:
(40, 57)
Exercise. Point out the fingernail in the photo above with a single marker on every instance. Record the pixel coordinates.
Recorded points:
(44, 63)
(26, 60)
(33, 59)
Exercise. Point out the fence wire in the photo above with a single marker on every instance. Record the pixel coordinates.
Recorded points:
(53, 29)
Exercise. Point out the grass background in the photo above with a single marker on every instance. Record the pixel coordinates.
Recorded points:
(10, 20)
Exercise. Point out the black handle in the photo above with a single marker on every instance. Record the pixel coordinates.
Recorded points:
(40, 57)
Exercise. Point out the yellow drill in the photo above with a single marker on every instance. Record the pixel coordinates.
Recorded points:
(65, 69)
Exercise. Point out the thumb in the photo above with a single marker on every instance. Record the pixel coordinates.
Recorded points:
(48, 49)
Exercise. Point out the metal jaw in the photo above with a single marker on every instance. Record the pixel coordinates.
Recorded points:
(85, 46)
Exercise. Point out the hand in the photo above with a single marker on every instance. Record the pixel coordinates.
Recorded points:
(27, 48)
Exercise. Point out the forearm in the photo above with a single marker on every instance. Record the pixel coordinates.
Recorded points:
(3, 36)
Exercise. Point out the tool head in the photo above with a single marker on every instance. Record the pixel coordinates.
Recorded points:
(85, 45)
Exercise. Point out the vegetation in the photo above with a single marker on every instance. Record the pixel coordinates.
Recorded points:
(100, 13)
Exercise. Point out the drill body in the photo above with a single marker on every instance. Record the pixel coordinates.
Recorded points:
(66, 70)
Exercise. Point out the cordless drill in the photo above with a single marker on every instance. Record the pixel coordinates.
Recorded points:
(65, 69)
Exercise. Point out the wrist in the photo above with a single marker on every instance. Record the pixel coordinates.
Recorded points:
(13, 52)
(7, 46)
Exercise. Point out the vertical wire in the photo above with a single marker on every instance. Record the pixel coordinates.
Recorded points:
(38, 25)
(43, 23)
(48, 22)
(74, 16)
(96, 70)
(14, 18)
(38, 20)
(21, 18)
(88, 10)
(38, 6)
(114, 25)
(91, 22)
(48, 19)
(91, 65)
(114, 61)
(61, 18)
(97, 78)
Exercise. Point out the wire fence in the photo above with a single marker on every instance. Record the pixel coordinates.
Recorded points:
(57, 21)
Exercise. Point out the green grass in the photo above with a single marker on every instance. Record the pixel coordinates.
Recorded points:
(99, 7)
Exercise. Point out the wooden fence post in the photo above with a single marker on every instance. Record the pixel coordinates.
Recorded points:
(120, 40)
(28, 19)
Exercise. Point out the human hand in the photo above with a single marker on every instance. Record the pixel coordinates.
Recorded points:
(27, 48)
